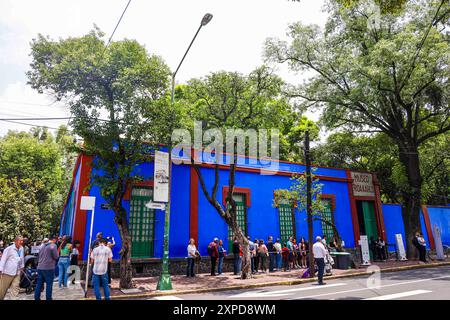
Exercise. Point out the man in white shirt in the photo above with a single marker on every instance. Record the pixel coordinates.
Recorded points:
(100, 257)
(11, 264)
(320, 252)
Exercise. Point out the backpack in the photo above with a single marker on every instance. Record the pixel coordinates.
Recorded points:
(210, 249)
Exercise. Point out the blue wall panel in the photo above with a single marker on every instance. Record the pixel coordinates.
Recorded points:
(440, 216)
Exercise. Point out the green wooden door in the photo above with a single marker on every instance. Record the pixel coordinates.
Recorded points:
(370, 221)
(286, 222)
(327, 215)
(241, 215)
(142, 223)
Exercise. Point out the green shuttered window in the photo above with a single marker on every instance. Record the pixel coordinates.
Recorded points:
(142, 224)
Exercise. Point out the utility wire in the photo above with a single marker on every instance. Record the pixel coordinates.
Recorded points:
(28, 124)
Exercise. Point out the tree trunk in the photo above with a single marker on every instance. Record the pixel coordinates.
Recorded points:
(126, 273)
(409, 157)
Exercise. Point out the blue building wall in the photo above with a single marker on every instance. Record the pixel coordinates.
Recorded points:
(262, 217)
(440, 216)
(393, 221)
(179, 222)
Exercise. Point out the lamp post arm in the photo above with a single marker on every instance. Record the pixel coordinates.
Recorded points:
(179, 65)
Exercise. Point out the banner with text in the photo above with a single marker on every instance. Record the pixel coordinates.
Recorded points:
(161, 177)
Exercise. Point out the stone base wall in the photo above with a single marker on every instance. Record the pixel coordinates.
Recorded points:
(153, 267)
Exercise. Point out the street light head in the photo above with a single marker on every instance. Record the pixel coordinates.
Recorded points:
(206, 19)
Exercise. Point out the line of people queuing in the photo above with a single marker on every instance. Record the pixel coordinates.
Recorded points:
(264, 257)
(55, 255)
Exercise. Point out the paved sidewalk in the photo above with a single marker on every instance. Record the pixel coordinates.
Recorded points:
(206, 283)
(74, 292)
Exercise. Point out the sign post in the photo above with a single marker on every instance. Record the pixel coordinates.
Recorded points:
(438, 243)
(162, 178)
(88, 203)
(401, 253)
(365, 254)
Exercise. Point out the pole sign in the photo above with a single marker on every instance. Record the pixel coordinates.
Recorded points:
(438, 243)
(155, 205)
(401, 253)
(161, 177)
(365, 254)
(87, 203)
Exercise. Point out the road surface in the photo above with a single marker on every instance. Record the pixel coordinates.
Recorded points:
(418, 284)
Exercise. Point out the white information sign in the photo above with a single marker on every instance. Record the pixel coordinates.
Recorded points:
(362, 184)
(155, 205)
(438, 243)
(161, 177)
(365, 254)
(87, 203)
(400, 247)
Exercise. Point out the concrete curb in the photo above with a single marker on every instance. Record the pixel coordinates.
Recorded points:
(277, 283)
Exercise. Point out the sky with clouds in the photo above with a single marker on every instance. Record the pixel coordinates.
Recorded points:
(232, 41)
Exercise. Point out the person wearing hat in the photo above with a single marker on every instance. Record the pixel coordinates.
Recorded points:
(319, 252)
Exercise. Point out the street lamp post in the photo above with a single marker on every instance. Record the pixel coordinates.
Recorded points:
(165, 282)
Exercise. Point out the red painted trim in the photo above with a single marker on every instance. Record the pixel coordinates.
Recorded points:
(278, 173)
(353, 208)
(329, 196)
(279, 161)
(365, 198)
(245, 191)
(193, 205)
(146, 183)
(378, 209)
(74, 174)
(80, 215)
(426, 218)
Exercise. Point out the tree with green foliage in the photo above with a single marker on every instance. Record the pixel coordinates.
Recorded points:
(19, 209)
(33, 159)
(228, 100)
(377, 154)
(118, 101)
(390, 77)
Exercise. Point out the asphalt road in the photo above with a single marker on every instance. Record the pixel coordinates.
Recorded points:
(418, 284)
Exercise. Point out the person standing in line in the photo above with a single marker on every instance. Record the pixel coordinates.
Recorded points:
(47, 259)
(272, 253)
(74, 256)
(263, 254)
(285, 254)
(251, 250)
(64, 261)
(381, 248)
(11, 265)
(236, 256)
(290, 246)
(222, 254)
(303, 252)
(319, 253)
(192, 253)
(213, 253)
(422, 248)
(278, 257)
(111, 244)
(256, 243)
(100, 257)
